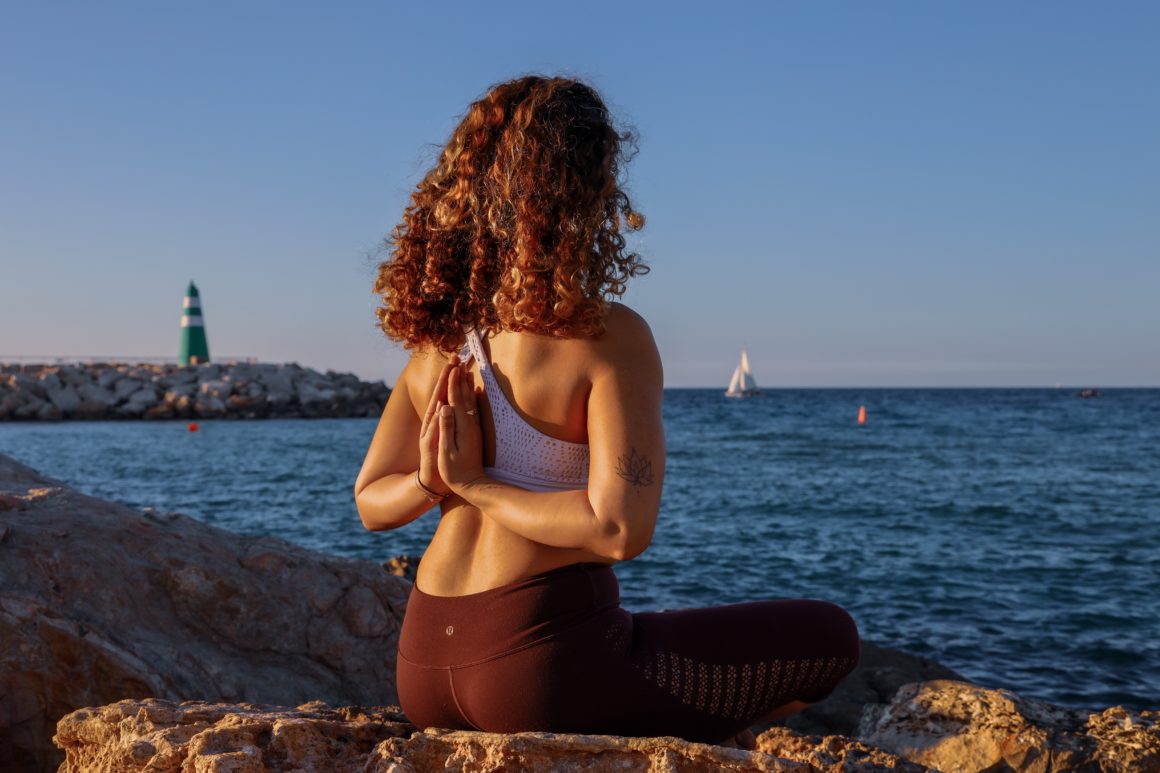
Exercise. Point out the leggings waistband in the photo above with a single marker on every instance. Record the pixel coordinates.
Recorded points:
(447, 631)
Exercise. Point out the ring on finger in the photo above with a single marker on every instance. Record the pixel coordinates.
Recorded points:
(470, 412)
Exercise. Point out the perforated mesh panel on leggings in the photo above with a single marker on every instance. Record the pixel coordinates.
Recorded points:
(737, 691)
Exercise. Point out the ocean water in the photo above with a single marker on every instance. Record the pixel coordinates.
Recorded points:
(1013, 535)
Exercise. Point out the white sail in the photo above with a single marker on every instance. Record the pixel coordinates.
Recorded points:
(734, 382)
(744, 362)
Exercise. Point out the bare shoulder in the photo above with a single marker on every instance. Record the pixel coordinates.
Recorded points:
(626, 332)
(622, 322)
(628, 340)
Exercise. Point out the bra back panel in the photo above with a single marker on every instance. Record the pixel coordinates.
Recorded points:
(524, 456)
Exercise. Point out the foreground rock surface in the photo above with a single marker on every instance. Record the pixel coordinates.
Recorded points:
(942, 725)
(100, 602)
(230, 390)
(957, 727)
(163, 736)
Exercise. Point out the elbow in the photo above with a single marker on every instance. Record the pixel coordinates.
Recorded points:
(630, 549)
(369, 523)
(623, 543)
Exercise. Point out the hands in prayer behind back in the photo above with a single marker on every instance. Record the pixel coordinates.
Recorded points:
(453, 430)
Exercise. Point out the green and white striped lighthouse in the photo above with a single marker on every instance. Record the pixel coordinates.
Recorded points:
(194, 348)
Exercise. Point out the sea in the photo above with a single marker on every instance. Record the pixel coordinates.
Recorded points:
(1010, 534)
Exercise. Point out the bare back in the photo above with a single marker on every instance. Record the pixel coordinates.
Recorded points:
(561, 387)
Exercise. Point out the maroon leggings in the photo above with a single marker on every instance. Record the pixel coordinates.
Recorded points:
(555, 652)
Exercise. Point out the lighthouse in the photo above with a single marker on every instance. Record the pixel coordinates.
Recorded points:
(194, 348)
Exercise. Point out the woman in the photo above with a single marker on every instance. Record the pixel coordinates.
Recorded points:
(530, 412)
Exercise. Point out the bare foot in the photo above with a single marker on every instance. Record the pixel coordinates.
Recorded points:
(743, 740)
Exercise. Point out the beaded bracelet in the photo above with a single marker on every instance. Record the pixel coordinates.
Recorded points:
(432, 496)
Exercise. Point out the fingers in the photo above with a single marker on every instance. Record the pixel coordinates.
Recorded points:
(447, 444)
(439, 394)
(461, 395)
(467, 397)
(429, 433)
(453, 397)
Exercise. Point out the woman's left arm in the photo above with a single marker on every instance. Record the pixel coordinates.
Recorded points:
(385, 491)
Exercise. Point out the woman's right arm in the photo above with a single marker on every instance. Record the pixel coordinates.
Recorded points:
(385, 493)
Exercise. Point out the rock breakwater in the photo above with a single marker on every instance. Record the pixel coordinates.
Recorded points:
(231, 390)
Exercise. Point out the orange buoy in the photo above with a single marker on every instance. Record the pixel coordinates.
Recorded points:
(861, 414)
(193, 426)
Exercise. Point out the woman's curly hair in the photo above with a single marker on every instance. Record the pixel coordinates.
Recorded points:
(519, 225)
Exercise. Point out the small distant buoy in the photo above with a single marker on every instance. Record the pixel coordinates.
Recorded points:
(861, 414)
(193, 426)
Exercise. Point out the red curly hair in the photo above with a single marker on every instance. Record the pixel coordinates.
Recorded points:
(519, 225)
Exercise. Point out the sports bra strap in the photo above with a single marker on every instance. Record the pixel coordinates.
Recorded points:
(533, 458)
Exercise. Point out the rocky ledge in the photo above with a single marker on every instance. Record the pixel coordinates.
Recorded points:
(159, 736)
(231, 390)
(947, 726)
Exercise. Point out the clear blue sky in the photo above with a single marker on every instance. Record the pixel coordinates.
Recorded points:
(891, 193)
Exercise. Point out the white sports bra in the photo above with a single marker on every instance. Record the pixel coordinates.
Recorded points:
(524, 456)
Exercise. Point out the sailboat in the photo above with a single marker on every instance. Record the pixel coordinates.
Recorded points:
(742, 383)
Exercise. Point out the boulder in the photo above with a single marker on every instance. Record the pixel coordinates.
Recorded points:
(107, 377)
(218, 388)
(179, 390)
(959, 727)
(207, 371)
(403, 566)
(97, 395)
(26, 385)
(279, 387)
(126, 387)
(161, 411)
(49, 412)
(186, 375)
(9, 402)
(146, 394)
(74, 375)
(131, 410)
(65, 398)
(209, 406)
(314, 393)
(100, 602)
(50, 380)
(30, 407)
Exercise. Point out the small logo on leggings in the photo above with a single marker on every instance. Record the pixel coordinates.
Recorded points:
(450, 630)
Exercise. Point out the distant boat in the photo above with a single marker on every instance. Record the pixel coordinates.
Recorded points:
(742, 383)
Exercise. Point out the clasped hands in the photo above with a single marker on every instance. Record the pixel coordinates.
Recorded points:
(450, 439)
